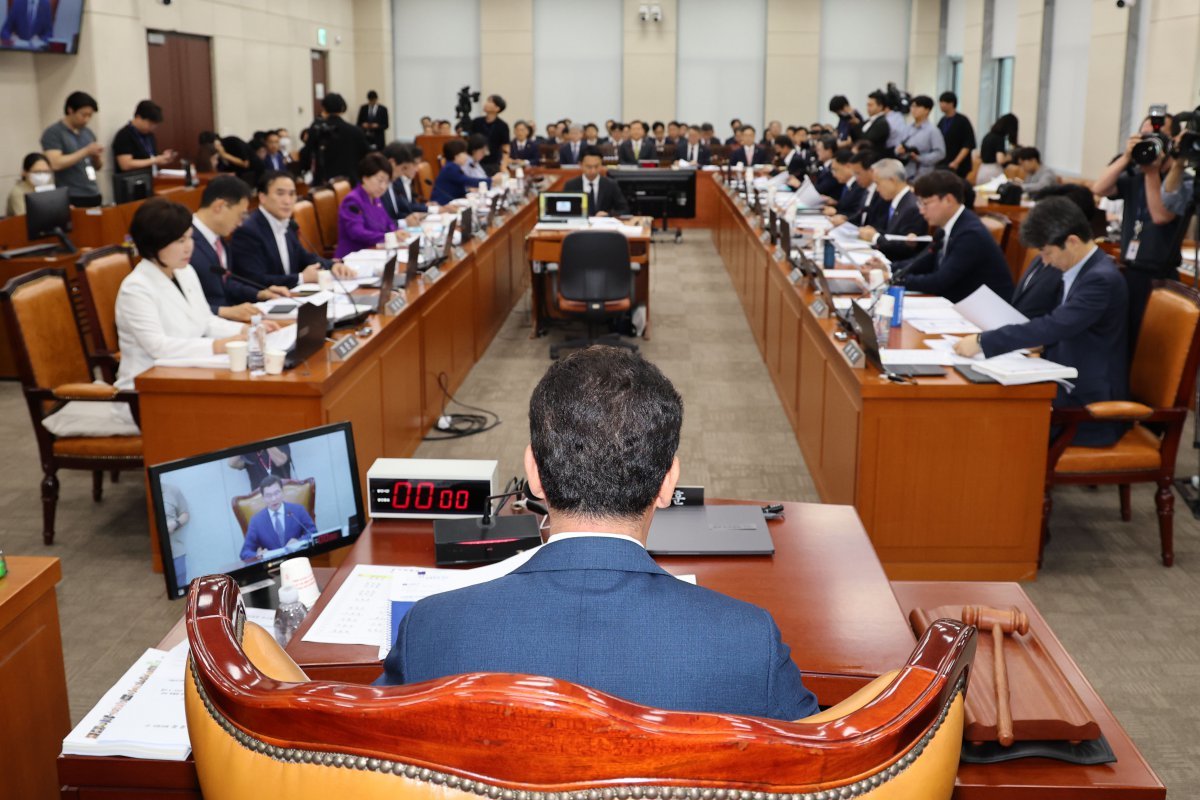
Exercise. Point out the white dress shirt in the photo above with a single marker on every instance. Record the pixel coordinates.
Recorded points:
(279, 229)
(950, 226)
(211, 238)
(558, 537)
(406, 182)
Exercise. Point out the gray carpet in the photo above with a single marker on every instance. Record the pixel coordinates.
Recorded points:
(1133, 626)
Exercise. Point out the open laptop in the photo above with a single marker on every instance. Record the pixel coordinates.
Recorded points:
(312, 322)
(385, 285)
(865, 328)
(562, 210)
(711, 531)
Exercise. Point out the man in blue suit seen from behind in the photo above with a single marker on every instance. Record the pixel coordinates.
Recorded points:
(280, 524)
(591, 606)
(1089, 327)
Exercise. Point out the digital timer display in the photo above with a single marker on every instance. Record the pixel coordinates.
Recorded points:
(423, 497)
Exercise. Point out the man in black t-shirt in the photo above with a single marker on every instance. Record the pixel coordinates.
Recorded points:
(134, 145)
(959, 135)
(495, 130)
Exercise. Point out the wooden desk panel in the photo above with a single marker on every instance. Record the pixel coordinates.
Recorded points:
(33, 681)
(1130, 777)
(975, 452)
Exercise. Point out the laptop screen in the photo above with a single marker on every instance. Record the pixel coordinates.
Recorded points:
(561, 205)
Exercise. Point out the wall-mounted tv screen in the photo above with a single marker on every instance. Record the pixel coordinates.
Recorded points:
(41, 26)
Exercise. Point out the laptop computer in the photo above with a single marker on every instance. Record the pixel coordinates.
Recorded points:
(385, 285)
(311, 326)
(710, 530)
(562, 210)
(865, 327)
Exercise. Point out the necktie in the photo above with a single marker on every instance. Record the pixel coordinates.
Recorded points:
(575, 151)
(891, 211)
(277, 517)
(692, 156)
(220, 248)
(591, 190)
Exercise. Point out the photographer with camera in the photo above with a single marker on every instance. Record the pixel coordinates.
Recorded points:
(923, 146)
(334, 146)
(1150, 229)
(495, 131)
(848, 119)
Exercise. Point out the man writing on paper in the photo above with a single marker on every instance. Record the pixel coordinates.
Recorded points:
(279, 525)
(1088, 329)
(591, 606)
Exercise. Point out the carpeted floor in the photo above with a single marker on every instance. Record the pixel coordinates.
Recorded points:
(1132, 625)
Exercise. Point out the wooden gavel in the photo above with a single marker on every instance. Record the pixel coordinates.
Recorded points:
(1002, 621)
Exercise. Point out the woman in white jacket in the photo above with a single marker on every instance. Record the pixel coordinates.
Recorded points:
(161, 308)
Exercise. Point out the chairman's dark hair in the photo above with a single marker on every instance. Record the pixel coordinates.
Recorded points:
(939, 183)
(589, 150)
(838, 102)
(604, 427)
(948, 97)
(923, 100)
(333, 103)
(372, 164)
(78, 100)
(229, 188)
(1051, 221)
(157, 224)
(452, 148)
(32, 159)
(269, 177)
(149, 111)
(1028, 154)
(270, 480)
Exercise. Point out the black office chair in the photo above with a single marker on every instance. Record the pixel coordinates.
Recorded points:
(594, 281)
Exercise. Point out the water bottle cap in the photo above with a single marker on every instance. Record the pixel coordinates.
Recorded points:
(288, 594)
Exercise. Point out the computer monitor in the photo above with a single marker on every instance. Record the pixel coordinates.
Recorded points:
(135, 184)
(243, 510)
(49, 214)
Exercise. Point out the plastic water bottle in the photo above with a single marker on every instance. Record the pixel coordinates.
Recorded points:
(255, 344)
(521, 181)
(289, 615)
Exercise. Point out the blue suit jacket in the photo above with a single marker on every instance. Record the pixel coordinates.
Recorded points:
(564, 154)
(530, 152)
(1088, 331)
(277, 161)
(18, 22)
(850, 200)
(297, 524)
(452, 183)
(219, 290)
(397, 203)
(825, 182)
(601, 613)
(737, 155)
(256, 256)
(1038, 292)
(972, 259)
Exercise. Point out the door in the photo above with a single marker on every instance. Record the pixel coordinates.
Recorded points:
(320, 78)
(181, 82)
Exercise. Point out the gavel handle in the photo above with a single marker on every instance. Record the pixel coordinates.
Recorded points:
(1004, 723)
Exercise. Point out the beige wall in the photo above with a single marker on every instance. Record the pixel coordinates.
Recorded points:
(1172, 73)
(648, 68)
(506, 53)
(924, 55)
(1027, 67)
(1106, 74)
(262, 73)
(793, 49)
(972, 63)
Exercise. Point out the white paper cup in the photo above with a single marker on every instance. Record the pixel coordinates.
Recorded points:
(273, 361)
(298, 572)
(325, 280)
(237, 355)
(390, 241)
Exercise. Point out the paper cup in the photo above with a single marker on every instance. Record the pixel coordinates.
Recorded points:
(390, 241)
(273, 361)
(325, 280)
(875, 278)
(237, 355)
(298, 572)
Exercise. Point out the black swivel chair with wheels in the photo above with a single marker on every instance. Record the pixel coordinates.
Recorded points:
(594, 281)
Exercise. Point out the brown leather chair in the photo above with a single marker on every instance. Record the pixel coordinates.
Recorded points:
(100, 275)
(999, 225)
(305, 217)
(423, 185)
(255, 719)
(1161, 380)
(548, 154)
(718, 154)
(301, 492)
(55, 368)
(341, 187)
(325, 205)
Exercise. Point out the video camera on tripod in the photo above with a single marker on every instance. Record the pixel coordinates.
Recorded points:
(466, 98)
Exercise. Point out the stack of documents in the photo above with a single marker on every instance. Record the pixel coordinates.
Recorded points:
(142, 715)
(1013, 369)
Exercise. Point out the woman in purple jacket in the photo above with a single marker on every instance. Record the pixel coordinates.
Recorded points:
(362, 220)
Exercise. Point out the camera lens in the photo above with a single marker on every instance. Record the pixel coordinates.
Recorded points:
(1147, 150)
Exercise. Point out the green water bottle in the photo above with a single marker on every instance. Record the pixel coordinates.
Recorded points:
(3, 565)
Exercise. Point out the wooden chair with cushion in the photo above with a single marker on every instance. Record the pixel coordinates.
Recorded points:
(55, 369)
(301, 492)
(341, 187)
(325, 205)
(100, 275)
(423, 185)
(548, 155)
(999, 225)
(594, 282)
(1161, 380)
(255, 720)
(305, 217)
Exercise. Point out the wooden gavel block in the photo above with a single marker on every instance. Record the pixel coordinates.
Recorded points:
(1002, 621)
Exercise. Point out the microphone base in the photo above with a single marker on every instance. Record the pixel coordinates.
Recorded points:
(469, 541)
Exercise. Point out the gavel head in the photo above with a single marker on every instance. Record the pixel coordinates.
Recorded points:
(1011, 620)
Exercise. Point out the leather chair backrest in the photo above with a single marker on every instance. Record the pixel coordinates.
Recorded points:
(424, 182)
(40, 307)
(326, 205)
(998, 225)
(1159, 376)
(306, 222)
(548, 153)
(341, 188)
(101, 279)
(300, 492)
(594, 266)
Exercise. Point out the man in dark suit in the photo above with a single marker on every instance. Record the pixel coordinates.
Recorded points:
(400, 200)
(334, 144)
(223, 206)
(605, 198)
(28, 23)
(823, 179)
(279, 525)
(267, 248)
(1039, 289)
(963, 256)
(570, 150)
(693, 150)
(875, 128)
(901, 214)
(872, 209)
(638, 147)
(275, 158)
(1087, 330)
(847, 199)
(373, 119)
(747, 150)
(736, 137)
(788, 158)
(591, 603)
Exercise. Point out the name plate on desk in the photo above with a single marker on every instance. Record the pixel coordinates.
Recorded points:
(778, 254)
(818, 307)
(344, 347)
(853, 353)
(764, 237)
(432, 274)
(396, 304)
(795, 276)
(459, 254)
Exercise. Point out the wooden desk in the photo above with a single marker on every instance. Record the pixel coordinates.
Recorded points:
(33, 681)
(1130, 777)
(707, 195)
(388, 388)
(946, 475)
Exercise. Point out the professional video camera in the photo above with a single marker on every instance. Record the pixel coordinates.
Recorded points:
(463, 110)
(1188, 148)
(898, 98)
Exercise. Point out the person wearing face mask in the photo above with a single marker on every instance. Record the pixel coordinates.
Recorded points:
(161, 309)
(36, 176)
(363, 222)
(452, 181)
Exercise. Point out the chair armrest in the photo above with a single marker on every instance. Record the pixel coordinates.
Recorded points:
(84, 391)
(1119, 410)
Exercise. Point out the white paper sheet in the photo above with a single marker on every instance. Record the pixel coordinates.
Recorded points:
(988, 311)
(896, 237)
(940, 326)
(807, 194)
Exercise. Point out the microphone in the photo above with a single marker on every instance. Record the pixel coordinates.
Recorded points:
(301, 524)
